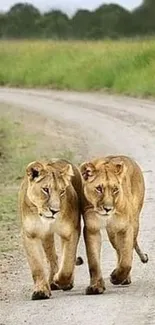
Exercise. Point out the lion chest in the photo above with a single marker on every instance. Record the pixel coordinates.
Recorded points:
(41, 227)
(117, 223)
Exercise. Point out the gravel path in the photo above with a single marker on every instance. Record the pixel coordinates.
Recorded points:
(104, 124)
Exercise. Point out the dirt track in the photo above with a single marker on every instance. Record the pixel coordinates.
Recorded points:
(106, 124)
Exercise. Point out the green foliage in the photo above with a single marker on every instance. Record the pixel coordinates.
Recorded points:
(55, 24)
(15, 151)
(82, 24)
(121, 66)
(23, 20)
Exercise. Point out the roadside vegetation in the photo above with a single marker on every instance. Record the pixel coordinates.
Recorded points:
(21, 142)
(15, 152)
(125, 67)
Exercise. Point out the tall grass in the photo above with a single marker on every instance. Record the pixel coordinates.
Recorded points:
(121, 66)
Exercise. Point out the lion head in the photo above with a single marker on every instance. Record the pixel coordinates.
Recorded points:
(103, 185)
(47, 186)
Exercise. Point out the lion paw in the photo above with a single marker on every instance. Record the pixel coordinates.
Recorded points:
(54, 286)
(67, 287)
(38, 295)
(118, 276)
(61, 286)
(126, 282)
(63, 282)
(96, 289)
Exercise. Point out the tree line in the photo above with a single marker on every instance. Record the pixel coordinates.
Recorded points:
(23, 20)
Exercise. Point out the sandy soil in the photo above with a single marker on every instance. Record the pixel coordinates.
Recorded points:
(96, 125)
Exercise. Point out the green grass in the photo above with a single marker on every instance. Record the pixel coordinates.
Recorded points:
(19, 146)
(120, 66)
(15, 153)
(8, 221)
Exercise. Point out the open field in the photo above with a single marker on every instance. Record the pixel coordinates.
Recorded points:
(126, 67)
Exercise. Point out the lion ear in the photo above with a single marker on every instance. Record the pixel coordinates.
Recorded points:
(120, 168)
(34, 170)
(88, 171)
(67, 173)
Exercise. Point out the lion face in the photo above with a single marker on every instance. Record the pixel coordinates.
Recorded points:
(103, 186)
(47, 187)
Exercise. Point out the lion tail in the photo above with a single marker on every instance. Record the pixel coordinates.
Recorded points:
(143, 257)
(79, 261)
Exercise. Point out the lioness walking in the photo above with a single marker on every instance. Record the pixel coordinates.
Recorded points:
(49, 201)
(113, 197)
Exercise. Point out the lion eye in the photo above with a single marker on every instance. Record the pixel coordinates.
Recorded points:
(99, 189)
(62, 192)
(46, 190)
(115, 190)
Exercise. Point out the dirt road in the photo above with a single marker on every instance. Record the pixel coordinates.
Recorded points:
(104, 124)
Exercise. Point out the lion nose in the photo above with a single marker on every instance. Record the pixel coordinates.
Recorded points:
(107, 209)
(54, 211)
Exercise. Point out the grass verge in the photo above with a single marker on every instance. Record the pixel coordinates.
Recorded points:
(126, 67)
(22, 141)
(15, 153)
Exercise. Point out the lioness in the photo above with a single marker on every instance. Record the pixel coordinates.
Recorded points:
(49, 200)
(113, 196)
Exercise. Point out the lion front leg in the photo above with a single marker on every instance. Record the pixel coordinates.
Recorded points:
(93, 249)
(124, 248)
(49, 246)
(64, 278)
(35, 255)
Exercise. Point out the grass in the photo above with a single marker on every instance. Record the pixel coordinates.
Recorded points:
(15, 153)
(126, 67)
(18, 146)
